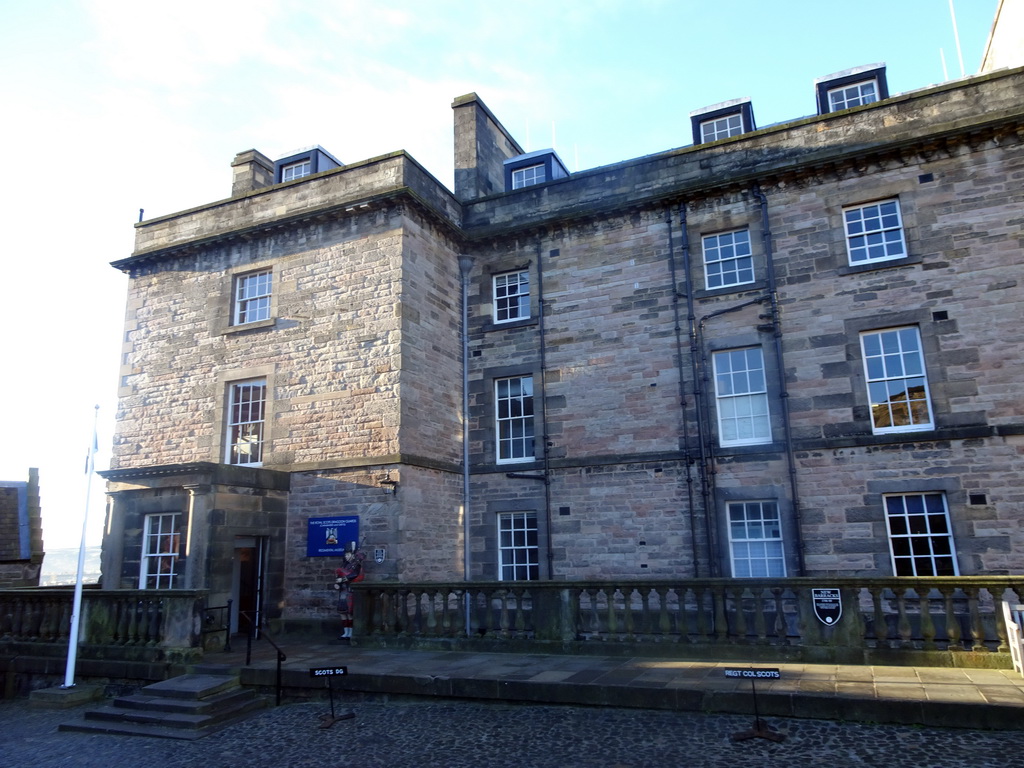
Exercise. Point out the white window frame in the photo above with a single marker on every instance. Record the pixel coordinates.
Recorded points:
(721, 127)
(528, 176)
(920, 534)
(741, 394)
(161, 548)
(514, 420)
(252, 294)
(518, 546)
(894, 366)
(511, 292)
(294, 171)
(874, 232)
(246, 423)
(728, 254)
(756, 548)
(853, 95)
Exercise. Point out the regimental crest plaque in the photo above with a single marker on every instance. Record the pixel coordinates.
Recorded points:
(828, 606)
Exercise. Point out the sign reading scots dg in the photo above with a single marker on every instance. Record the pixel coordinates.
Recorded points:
(329, 536)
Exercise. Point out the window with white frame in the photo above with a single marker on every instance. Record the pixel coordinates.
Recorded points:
(245, 424)
(727, 259)
(920, 536)
(853, 95)
(513, 405)
(874, 232)
(518, 553)
(511, 296)
(296, 170)
(742, 397)
(721, 127)
(252, 297)
(755, 539)
(525, 177)
(161, 540)
(896, 380)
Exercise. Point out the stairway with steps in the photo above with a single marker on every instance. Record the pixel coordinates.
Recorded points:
(186, 707)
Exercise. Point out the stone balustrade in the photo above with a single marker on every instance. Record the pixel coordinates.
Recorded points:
(941, 621)
(133, 625)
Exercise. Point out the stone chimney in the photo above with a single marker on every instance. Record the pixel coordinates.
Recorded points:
(251, 170)
(482, 145)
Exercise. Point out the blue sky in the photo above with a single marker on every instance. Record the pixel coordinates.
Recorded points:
(116, 106)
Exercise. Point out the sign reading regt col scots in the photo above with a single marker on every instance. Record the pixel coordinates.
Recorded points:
(329, 536)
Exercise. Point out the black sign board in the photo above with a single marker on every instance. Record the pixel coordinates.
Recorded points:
(328, 671)
(828, 606)
(754, 674)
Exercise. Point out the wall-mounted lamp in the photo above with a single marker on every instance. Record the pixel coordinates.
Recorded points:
(390, 486)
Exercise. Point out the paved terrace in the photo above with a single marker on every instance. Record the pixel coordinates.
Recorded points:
(950, 697)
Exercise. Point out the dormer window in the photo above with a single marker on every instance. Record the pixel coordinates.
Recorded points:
(851, 88)
(296, 170)
(303, 163)
(526, 177)
(533, 168)
(721, 121)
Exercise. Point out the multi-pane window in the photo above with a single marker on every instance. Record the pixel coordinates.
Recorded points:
(853, 95)
(518, 558)
(513, 404)
(755, 538)
(727, 259)
(161, 539)
(920, 536)
(296, 170)
(721, 127)
(511, 296)
(742, 397)
(874, 232)
(896, 380)
(252, 297)
(525, 177)
(246, 414)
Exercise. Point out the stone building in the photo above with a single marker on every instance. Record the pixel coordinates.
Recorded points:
(21, 532)
(784, 351)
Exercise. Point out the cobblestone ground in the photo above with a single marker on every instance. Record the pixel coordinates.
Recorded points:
(470, 735)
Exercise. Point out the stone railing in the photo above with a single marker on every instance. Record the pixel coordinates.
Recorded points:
(942, 621)
(149, 625)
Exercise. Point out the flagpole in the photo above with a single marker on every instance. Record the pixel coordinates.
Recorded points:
(76, 610)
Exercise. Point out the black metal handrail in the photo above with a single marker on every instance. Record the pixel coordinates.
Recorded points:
(281, 657)
(223, 626)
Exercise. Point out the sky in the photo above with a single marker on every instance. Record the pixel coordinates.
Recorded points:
(111, 107)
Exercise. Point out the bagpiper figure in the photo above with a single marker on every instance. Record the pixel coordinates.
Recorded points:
(350, 572)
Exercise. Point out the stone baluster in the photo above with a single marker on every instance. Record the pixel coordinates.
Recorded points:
(977, 628)
(613, 624)
(927, 623)
(504, 622)
(627, 613)
(952, 622)
(520, 621)
(881, 626)
(646, 616)
(903, 622)
(702, 596)
(664, 622)
(721, 622)
(595, 621)
(760, 629)
(780, 628)
(741, 615)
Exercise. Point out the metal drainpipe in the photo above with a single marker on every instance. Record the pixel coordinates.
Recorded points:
(465, 264)
(691, 321)
(549, 542)
(687, 459)
(783, 390)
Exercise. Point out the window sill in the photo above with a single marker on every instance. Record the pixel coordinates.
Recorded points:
(527, 322)
(872, 266)
(255, 326)
(706, 293)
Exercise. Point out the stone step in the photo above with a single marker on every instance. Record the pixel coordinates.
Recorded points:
(186, 707)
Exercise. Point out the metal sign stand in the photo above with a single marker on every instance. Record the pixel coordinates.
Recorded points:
(326, 721)
(760, 729)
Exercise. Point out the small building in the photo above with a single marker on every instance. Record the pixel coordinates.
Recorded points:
(21, 532)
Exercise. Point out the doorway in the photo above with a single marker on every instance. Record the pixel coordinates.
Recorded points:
(247, 583)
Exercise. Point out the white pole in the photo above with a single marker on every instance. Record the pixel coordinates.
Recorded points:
(956, 37)
(76, 610)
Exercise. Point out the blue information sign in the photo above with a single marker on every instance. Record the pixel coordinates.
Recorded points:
(330, 536)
